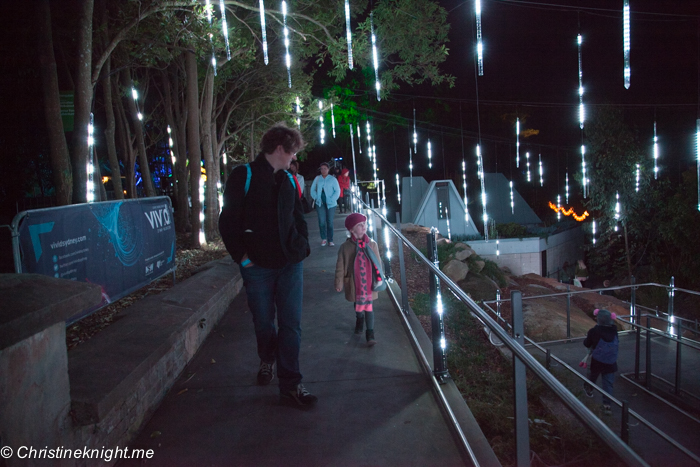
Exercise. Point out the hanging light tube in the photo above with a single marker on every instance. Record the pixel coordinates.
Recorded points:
(583, 169)
(333, 120)
(430, 155)
(298, 110)
(527, 159)
(541, 172)
(593, 227)
(209, 10)
(558, 207)
(656, 153)
(352, 145)
(369, 142)
(567, 187)
(224, 28)
(374, 56)
(697, 152)
(202, 238)
(479, 43)
(415, 135)
(90, 192)
(171, 145)
(483, 191)
(512, 198)
(626, 41)
(287, 57)
(359, 138)
(464, 187)
(517, 143)
(320, 119)
(348, 34)
(636, 186)
(264, 31)
(581, 108)
(398, 188)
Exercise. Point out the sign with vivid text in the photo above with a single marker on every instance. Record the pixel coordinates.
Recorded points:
(119, 245)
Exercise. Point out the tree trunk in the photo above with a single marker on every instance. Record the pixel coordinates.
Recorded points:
(83, 101)
(109, 113)
(126, 148)
(179, 166)
(59, 157)
(183, 176)
(212, 214)
(193, 146)
(128, 83)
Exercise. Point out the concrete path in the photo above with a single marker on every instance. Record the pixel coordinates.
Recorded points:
(375, 404)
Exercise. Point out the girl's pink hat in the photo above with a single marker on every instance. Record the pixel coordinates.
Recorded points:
(353, 219)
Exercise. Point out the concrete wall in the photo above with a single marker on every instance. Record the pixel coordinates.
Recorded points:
(523, 256)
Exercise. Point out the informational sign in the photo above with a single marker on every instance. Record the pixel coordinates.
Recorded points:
(119, 245)
(67, 101)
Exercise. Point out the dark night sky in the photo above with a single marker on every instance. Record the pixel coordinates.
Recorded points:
(531, 69)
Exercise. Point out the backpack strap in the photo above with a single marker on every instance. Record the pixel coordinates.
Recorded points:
(295, 182)
(247, 180)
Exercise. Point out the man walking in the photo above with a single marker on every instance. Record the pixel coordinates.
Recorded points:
(262, 225)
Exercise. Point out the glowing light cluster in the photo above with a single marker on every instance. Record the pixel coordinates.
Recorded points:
(135, 96)
(581, 108)
(369, 142)
(464, 187)
(320, 119)
(568, 212)
(348, 34)
(264, 31)
(583, 169)
(479, 43)
(410, 164)
(430, 156)
(415, 135)
(287, 57)
(480, 162)
(541, 172)
(617, 208)
(567, 187)
(517, 143)
(171, 145)
(656, 153)
(375, 60)
(697, 152)
(527, 159)
(636, 179)
(512, 198)
(209, 10)
(333, 120)
(90, 192)
(593, 230)
(202, 238)
(398, 188)
(298, 111)
(626, 41)
(224, 28)
(558, 207)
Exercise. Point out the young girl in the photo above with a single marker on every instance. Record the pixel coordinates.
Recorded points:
(358, 270)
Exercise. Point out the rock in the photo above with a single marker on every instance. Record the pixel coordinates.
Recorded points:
(463, 254)
(461, 246)
(455, 270)
(413, 228)
(443, 241)
(479, 265)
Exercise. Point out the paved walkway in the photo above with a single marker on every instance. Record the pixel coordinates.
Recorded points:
(376, 406)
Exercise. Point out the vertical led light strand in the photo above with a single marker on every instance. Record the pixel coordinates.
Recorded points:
(527, 159)
(320, 119)
(264, 31)
(430, 155)
(415, 134)
(581, 108)
(617, 209)
(90, 192)
(479, 43)
(410, 166)
(656, 153)
(512, 198)
(541, 172)
(298, 109)
(287, 57)
(593, 230)
(135, 96)
(567, 187)
(464, 187)
(352, 145)
(333, 120)
(398, 188)
(224, 28)
(202, 237)
(374, 55)
(583, 169)
(369, 142)
(348, 34)
(626, 41)
(483, 191)
(359, 138)
(517, 143)
(170, 146)
(209, 9)
(636, 179)
(558, 207)
(697, 151)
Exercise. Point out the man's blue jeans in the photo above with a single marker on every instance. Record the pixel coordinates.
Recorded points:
(325, 221)
(279, 291)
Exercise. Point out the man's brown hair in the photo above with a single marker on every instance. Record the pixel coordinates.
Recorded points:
(280, 134)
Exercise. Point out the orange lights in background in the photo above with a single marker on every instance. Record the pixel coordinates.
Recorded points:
(569, 212)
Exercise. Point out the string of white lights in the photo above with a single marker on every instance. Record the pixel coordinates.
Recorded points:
(202, 238)
(415, 134)
(583, 169)
(541, 172)
(527, 159)
(617, 209)
(558, 207)
(369, 142)
(567, 187)
(287, 57)
(90, 192)
(636, 179)
(464, 188)
(398, 188)
(517, 143)
(348, 33)
(359, 138)
(135, 96)
(479, 43)
(581, 114)
(430, 155)
(593, 230)
(374, 55)
(626, 41)
(352, 145)
(697, 152)
(264, 31)
(480, 161)
(171, 145)
(224, 28)
(333, 120)
(410, 163)
(298, 110)
(656, 153)
(210, 9)
(320, 119)
(512, 198)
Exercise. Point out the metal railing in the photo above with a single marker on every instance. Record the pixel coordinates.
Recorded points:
(522, 358)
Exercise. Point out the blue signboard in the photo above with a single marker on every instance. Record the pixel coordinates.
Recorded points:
(119, 245)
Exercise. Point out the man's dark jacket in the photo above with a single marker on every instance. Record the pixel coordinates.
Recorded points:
(268, 222)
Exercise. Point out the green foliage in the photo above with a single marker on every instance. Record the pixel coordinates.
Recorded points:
(511, 230)
(492, 270)
(420, 304)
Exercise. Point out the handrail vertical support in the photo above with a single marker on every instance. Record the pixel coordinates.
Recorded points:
(522, 430)
(402, 269)
(625, 426)
(437, 323)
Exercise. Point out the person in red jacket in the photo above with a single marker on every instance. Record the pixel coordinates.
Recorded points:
(344, 184)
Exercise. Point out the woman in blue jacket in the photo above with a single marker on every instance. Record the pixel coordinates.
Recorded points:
(325, 191)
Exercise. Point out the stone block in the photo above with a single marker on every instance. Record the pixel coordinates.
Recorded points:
(455, 270)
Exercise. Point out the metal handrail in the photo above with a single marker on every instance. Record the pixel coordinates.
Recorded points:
(600, 429)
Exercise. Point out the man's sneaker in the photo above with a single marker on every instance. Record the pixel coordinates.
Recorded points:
(331, 244)
(324, 243)
(606, 409)
(265, 374)
(588, 389)
(298, 397)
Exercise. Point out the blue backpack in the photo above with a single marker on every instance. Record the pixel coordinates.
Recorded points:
(606, 352)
